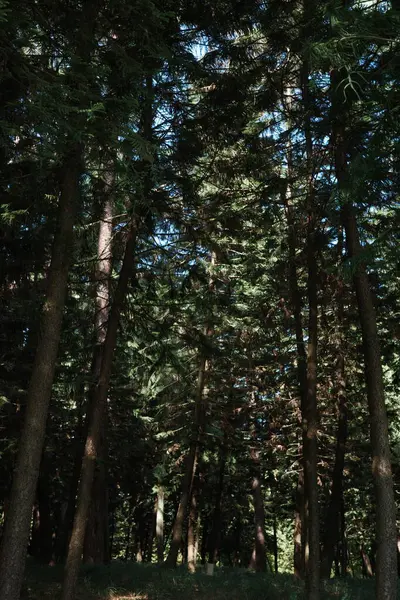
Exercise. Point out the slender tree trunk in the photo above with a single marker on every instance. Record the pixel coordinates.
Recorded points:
(176, 540)
(160, 525)
(96, 549)
(333, 523)
(366, 563)
(42, 527)
(204, 540)
(192, 531)
(300, 525)
(215, 534)
(199, 415)
(276, 565)
(191, 462)
(42, 524)
(258, 559)
(237, 561)
(386, 564)
(150, 537)
(343, 540)
(311, 427)
(96, 545)
(17, 527)
(335, 514)
(97, 415)
(310, 415)
(66, 516)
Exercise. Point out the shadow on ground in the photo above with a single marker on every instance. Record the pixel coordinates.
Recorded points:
(131, 581)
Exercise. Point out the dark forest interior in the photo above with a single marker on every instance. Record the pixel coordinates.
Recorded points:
(200, 299)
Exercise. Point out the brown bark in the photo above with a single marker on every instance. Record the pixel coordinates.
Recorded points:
(366, 563)
(300, 525)
(204, 540)
(176, 540)
(192, 531)
(66, 514)
(96, 417)
(148, 555)
(16, 532)
(96, 548)
(215, 533)
(310, 414)
(386, 562)
(191, 460)
(96, 545)
(258, 558)
(334, 523)
(275, 541)
(42, 527)
(160, 525)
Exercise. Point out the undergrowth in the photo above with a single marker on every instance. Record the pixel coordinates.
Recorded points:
(132, 581)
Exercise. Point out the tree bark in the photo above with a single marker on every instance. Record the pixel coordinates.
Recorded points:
(191, 460)
(310, 414)
(176, 540)
(366, 563)
(97, 415)
(192, 531)
(215, 534)
(386, 562)
(16, 532)
(204, 539)
(96, 545)
(334, 523)
(275, 526)
(300, 525)
(160, 525)
(42, 527)
(258, 559)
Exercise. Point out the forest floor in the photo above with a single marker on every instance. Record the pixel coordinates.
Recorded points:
(130, 581)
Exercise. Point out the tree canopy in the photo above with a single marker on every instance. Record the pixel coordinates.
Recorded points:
(200, 293)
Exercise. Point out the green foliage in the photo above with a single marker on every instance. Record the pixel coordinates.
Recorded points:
(121, 581)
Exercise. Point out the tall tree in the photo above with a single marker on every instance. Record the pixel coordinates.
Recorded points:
(96, 419)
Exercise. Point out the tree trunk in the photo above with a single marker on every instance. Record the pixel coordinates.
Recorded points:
(42, 526)
(150, 537)
(300, 526)
(17, 526)
(258, 558)
(386, 560)
(66, 516)
(176, 540)
(215, 534)
(334, 523)
(310, 414)
(96, 549)
(204, 540)
(276, 565)
(343, 542)
(191, 461)
(366, 563)
(192, 531)
(386, 563)
(160, 525)
(96, 545)
(97, 415)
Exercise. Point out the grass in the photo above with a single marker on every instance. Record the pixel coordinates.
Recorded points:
(131, 581)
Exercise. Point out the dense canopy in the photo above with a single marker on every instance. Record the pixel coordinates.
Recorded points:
(200, 287)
